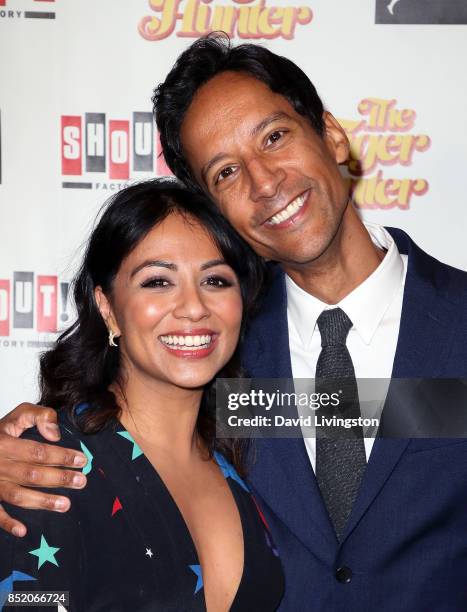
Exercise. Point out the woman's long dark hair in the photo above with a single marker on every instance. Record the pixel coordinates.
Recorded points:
(82, 366)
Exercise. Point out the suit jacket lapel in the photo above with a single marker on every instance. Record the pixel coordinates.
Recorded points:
(428, 320)
(283, 478)
(427, 324)
(280, 470)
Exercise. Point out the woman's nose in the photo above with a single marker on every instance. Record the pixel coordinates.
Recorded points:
(191, 305)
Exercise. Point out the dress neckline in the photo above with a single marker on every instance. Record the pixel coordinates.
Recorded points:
(229, 473)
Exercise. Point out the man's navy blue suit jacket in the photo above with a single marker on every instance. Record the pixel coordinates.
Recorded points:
(405, 545)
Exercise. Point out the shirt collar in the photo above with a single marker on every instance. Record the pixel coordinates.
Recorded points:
(365, 305)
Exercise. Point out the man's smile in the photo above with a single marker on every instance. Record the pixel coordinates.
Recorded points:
(287, 215)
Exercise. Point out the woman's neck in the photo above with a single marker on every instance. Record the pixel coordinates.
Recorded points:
(160, 416)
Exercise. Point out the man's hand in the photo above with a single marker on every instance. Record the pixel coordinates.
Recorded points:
(24, 463)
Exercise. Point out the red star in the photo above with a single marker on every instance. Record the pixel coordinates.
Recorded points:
(117, 506)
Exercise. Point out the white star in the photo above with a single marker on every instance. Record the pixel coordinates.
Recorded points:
(149, 553)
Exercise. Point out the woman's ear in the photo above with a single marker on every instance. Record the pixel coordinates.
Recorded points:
(105, 308)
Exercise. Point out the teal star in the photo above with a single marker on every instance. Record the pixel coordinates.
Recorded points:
(136, 449)
(88, 467)
(45, 553)
(197, 570)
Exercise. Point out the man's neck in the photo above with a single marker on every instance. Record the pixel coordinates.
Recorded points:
(347, 262)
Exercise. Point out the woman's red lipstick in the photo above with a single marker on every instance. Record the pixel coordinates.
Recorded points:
(181, 343)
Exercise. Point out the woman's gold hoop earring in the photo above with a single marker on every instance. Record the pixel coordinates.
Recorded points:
(112, 336)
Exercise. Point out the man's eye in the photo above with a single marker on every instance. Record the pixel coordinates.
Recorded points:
(217, 281)
(274, 137)
(225, 173)
(155, 283)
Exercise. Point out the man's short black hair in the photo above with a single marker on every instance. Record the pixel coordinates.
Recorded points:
(208, 57)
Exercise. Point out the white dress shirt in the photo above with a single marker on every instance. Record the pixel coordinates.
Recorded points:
(374, 307)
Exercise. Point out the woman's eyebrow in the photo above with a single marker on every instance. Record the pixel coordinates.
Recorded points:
(212, 263)
(150, 263)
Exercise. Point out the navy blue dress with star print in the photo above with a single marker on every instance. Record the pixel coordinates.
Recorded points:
(124, 546)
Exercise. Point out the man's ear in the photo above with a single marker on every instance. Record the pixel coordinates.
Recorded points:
(336, 138)
(105, 308)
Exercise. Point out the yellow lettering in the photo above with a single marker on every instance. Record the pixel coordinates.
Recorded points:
(253, 20)
(156, 28)
(382, 115)
(401, 121)
(202, 19)
(188, 22)
(351, 126)
(377, 111)
(369, 152)
(378, 192)
(285, 18)
(242, 24)
(264, 25)
(224, 19)
(197, 19)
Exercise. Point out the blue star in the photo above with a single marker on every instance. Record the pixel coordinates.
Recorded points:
(88, 467)
(228, 470)
(197, 570)
(136, 449)
(6, 585)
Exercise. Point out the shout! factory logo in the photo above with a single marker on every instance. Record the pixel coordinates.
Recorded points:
(16, 9)
(30, 302)
(106, 153)
(434, 12)
(383, 138)
(251, 19)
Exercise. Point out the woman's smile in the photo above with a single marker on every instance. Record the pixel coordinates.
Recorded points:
(177, 311)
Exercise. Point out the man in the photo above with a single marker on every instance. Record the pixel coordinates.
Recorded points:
(248, 128)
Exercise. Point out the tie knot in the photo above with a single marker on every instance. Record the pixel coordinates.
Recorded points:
(334, 326)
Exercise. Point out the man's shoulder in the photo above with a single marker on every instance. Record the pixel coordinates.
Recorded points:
(445, 278)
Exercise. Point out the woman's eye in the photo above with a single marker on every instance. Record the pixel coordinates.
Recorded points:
(225, 173)
(217, 281)
(155, 283)
(274, 137)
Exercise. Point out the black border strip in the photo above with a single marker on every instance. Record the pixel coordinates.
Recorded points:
(69, 185)
(38, 15)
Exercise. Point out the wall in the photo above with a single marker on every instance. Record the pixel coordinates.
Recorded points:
(76, 81)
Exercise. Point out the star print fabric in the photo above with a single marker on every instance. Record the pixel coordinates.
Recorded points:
(124, 545)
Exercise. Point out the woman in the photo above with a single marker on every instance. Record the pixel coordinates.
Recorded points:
(165, 522)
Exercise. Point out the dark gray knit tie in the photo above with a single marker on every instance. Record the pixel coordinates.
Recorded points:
(340, 452)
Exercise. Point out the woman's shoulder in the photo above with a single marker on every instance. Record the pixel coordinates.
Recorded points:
(69, 432)
(72, 433)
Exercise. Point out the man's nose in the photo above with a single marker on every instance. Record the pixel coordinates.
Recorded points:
(190, 304)
(265, 179)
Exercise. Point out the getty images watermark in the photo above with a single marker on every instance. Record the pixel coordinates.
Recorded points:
(258, 398)
(396, 408)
